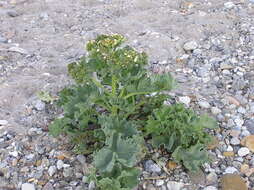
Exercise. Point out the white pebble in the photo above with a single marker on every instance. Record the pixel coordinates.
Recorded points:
(51, 170)
(243, 151)
(3, 122)
(210, 188)
(27, 186)
(59, 164)
(185, 100)
(230, 170)
(229, 5)
(204, 104)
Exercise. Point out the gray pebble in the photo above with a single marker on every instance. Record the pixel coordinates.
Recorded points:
(150, 166)
(235, 141)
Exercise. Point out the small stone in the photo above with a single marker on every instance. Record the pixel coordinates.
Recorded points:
(204, 104)
(185, 100)
(239, 122)
(59, 164)
(248, 141)
(39, 105)
(14, 154)
(51, 170)
(211, 178)
(3, 39)
(234, 133)
(150, 166)
(230, 149)
(191, 45)
(171, 165)
(230, 170)
(173, 185)
(27, 186)
(233, 100)
(233, 182)
(229, 154)
(225, 66)
(12, 13)
(210, 188)
(215, 110)
(18, 50)
(243, 151)
(241, 110)
(250, 125)
(229, 5)
(3, 122)
(159, 182)
(235, 141)
(67, 172)
(48, 186)
(81, 159)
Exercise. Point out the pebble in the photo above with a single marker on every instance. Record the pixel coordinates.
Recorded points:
(210, 188)
(235, 141)
(243, 151)
(12, 13)
(229, 5)
(211, 178)
(233, 182)
(48, 186)
(185, 100)
(51, 170)
(173, 185)
(39, 105)
(59, 164)
(81, 159)
(150, 166)
(239, 122)
(159, 182)
(18, 50)
(230, 170)
(27, 186)
(14, 154)
(204, 104)
(67, 172)
(3, 122)
(3, 39)
(191, 45)
(215, 110)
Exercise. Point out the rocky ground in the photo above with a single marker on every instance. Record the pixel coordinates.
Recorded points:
(206, 44)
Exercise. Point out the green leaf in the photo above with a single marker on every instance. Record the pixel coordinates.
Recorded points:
(104, 160)
(109, 184)
(192, 157)
(58, 126)
(129, 178)
(113, 124)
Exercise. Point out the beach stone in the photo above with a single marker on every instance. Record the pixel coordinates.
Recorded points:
(243, 151)
(27, 186)
(190, 45)
(248, 141)
(233, 182)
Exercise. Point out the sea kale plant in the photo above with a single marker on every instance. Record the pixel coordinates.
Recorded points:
(115, 105)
